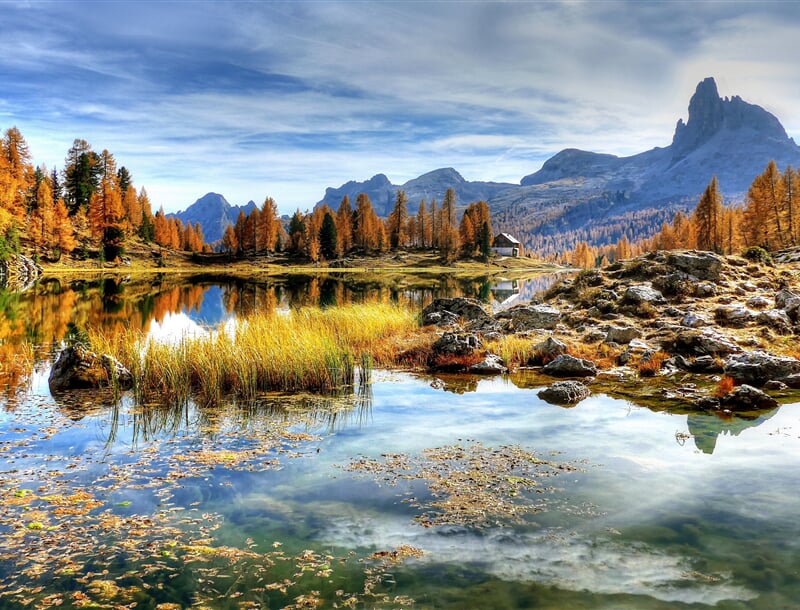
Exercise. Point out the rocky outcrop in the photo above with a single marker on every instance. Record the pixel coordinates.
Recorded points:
(444, 312)
(456, 344)
(492, 364)
(79, 368)
(758, 367)
(701, 265)
(529, 317)
(570, 366)
(547, 350)
(643, 293)
(564, 392)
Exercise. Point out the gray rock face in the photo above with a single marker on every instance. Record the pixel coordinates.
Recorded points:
(530, 317)
(734, 315)
(622, 334)
(642, 293)
(456, 344)
(758, 302)
(776, 318)
(214, 213)
(789, 302)
(548, 350)
(492, 364)
(78, 368)
(570, 366)
(757, 367)
(443, 312)
(693, 320)
(704, 342)
(702, 265)
(564, 392)
(747, 398)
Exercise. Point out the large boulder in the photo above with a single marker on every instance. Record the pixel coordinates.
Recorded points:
(747, 398)
(642, 293)
(702, 265)
(456, 344)
(734, 315)
(547, 350)
(78, 368)
(529, 317)
(443, 312)
(705, 342)
(757, 367)
(570, 366)
(492, 364)
(775, 318)
(565, 392)
(622, 334)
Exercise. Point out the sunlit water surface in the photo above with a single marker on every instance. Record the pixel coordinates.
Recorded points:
(103, 504)
(666, 511)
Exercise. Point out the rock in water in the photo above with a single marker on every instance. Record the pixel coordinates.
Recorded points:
(564, 392)
(570, 366)
(77, 368)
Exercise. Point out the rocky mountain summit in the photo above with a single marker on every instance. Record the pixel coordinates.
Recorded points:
(214, 214)
(600, 197)
(644, 326)
(584, 195)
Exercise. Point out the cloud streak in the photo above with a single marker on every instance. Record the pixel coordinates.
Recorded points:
(284, 99)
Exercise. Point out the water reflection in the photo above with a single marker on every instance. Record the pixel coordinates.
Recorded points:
(706, 427)
(41, 317)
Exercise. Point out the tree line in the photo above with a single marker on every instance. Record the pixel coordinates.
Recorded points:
(89, 205)
(769, 218)
(325, 234)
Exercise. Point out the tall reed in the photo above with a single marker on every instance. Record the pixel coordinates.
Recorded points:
(300, 350)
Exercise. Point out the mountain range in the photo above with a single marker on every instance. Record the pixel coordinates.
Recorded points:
(582, 195)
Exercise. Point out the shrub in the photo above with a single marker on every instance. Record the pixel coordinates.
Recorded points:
(757, 254)
(724, 387)
(650, 366)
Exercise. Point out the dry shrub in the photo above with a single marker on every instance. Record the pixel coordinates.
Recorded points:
(514, 350)
(603, 355)
(724, 387)
(648, 367)
(455, 363)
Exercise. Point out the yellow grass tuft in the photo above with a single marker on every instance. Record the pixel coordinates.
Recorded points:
(300, 350)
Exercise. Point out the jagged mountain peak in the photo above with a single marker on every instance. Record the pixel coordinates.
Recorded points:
(709, 114)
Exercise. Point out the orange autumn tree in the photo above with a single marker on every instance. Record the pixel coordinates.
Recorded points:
(106, 214)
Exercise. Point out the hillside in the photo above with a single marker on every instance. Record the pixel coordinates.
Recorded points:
(581, 195)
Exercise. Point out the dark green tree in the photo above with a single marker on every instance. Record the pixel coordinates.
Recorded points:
(327, 237)
(485, 241)
(81, 175)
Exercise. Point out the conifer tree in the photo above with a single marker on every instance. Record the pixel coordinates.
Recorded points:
(328, 237)
(707, 218)
(344, 226)
(398, 219)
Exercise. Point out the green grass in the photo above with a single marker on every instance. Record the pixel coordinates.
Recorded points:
(318, 350)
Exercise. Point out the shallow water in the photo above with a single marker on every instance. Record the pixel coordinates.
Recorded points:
(651, 519)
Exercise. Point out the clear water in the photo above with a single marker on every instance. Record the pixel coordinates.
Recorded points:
(108, 505)
(650, 520)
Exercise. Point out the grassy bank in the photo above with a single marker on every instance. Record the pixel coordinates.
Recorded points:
(301, 350)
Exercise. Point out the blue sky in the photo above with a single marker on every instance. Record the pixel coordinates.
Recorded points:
(251, 99)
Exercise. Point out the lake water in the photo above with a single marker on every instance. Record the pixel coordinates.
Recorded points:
(352, 501)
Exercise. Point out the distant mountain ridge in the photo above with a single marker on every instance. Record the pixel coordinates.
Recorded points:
(581, 195)
(214, 214)
(432, 185)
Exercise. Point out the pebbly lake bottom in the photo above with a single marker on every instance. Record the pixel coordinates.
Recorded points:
(366, 502)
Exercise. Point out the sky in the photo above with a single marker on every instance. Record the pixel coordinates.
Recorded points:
(283, 99)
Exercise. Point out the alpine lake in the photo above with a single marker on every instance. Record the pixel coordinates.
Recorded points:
(406, 491)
